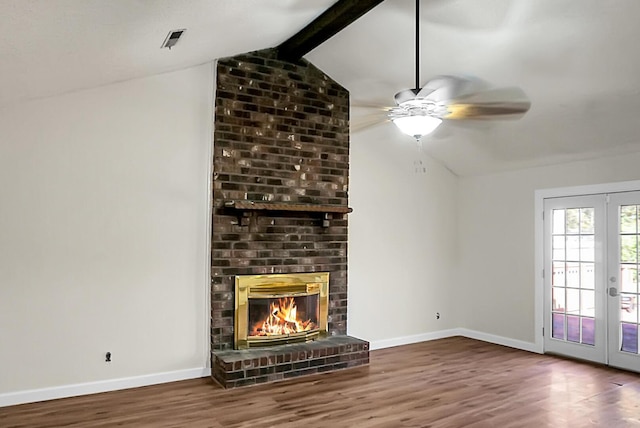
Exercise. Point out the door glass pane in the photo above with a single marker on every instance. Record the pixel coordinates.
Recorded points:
(573, 301)
(587, 248)
(628, 278)
(628, 307)
(587, 303)
(628, 219)
(573, 220)
(558, 299)
(558, 248)
(588, 331)
(629, 338)
(573, 248)
(628, 249)
(557, 326)
(558, 276)
(558, 222)
(587, 275)
(586, 220)
(573, 274)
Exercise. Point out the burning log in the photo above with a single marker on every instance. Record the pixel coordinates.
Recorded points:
(278, 313)
(282, 319)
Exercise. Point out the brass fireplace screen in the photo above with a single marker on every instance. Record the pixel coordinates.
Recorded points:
(280, 308)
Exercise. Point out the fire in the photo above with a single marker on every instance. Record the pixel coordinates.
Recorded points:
(282, 320)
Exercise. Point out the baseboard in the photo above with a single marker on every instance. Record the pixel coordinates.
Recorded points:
(33, 395)
(499, 340)
(441, 334)
(417, 338)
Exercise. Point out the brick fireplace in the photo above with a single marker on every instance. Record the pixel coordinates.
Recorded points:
(280, 205)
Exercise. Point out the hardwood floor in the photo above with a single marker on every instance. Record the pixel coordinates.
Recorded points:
(454, 382)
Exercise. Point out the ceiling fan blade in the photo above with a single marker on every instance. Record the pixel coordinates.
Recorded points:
(503, 110)
(500, 103)
(492, 95)
(442, 88)
(367, 121)
(370, 106)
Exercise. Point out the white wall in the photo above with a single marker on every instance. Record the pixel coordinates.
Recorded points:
(496, 240)
(402, 238)
(104, 232)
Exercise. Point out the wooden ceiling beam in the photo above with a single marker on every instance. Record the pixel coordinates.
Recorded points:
(332, 21)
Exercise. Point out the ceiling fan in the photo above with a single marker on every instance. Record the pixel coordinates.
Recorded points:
(421, 110)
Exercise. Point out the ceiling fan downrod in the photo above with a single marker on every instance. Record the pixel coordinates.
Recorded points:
(417, 45)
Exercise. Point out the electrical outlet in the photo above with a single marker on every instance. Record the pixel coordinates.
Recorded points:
(437, 315)
(107, 357)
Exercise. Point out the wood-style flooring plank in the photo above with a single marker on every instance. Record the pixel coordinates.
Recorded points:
(454, 382)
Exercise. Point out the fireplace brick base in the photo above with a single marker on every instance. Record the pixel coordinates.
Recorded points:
(234, 369)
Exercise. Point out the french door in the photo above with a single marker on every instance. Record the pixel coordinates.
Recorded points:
(591, 278)
(575, 298)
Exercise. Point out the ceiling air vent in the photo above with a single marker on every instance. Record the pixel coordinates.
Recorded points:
(172, 38)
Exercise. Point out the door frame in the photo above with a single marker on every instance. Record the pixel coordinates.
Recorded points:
(560, 192)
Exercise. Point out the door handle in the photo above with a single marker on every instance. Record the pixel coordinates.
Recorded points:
(613, 292)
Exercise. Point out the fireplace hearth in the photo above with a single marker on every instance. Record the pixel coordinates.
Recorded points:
(233, 369)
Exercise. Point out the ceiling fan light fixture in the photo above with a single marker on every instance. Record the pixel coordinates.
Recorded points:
(417, 126)
(415, 115)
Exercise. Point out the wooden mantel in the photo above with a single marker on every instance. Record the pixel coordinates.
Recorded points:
(283, 206)
(245, 207)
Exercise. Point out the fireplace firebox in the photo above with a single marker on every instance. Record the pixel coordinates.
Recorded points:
(280, 308)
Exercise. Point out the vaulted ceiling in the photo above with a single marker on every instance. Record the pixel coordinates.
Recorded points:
(578, 62)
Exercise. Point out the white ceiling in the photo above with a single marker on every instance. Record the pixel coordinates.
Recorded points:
(577, 60)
